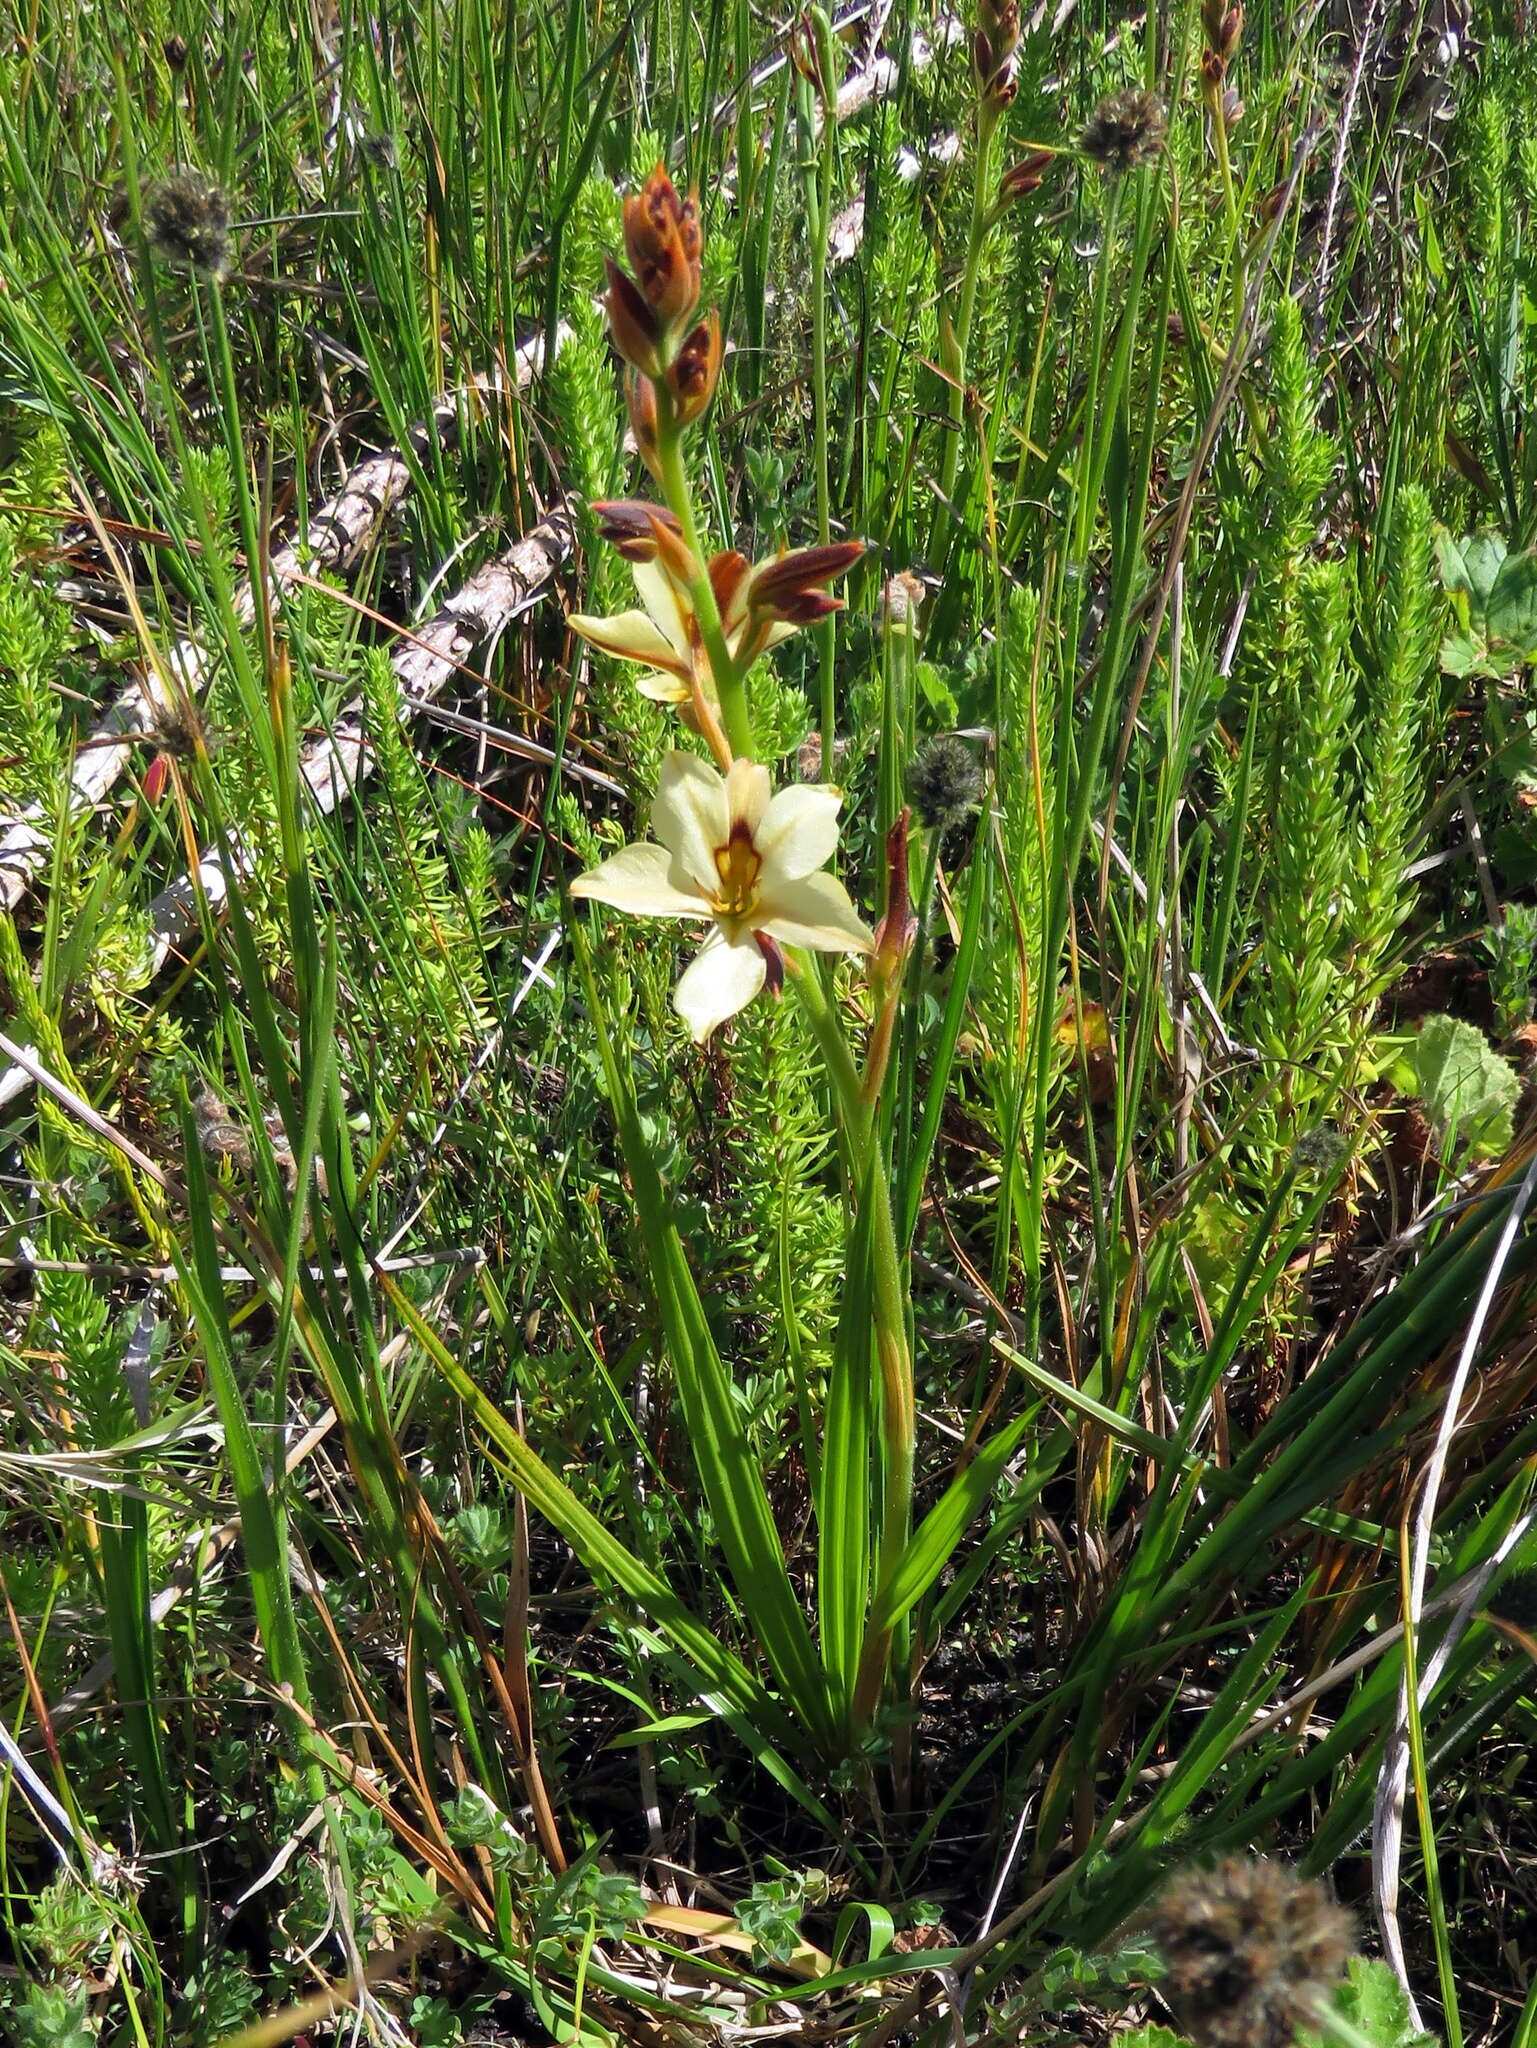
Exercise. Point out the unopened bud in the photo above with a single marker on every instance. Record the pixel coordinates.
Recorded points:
(640, 403)
(631, 526)
(631, 321)
(1025, 177)
(793, 589)
(898, 928)
(806, 56)
(1232, 109)
(983, 62)
(663, 240)
(692, 375)
(1213, 72)
(1272, 202)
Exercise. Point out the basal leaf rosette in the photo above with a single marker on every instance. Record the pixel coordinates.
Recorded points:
(733, 853)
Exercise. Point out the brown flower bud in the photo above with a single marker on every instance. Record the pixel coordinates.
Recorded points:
(792, 588)
(1270, 203)
(631, 322)
(692, 375)
(664, 243)
(806, 56)
(632, 526)
(1023, 178)
(999, 20)
(1213, 72)
(640, 403)
(1231, 34)
(728, 572)
(983, 63)
(898, 927)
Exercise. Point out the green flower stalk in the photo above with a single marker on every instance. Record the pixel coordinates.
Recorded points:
(730, 853)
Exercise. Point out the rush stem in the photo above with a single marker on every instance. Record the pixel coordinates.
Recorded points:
(981, 210)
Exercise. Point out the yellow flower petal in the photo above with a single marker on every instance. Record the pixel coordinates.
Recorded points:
(722, 978)
(799, 832)
(748, 790)
(643, 881)
(632, 636)
(813, 910)
(689, 815)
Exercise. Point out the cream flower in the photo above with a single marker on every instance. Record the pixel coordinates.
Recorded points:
(665, 637)
(759, 605)
(732, 853)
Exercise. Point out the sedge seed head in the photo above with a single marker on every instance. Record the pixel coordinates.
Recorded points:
(1250, 1949)
(1125, 131)
(945, 782)
(186, 221)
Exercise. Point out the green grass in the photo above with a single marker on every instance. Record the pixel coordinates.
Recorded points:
(456, 1510)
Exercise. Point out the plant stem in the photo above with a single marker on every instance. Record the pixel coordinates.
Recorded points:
(981, 207)
(818, 192)
(893, 1353)
(730, 688)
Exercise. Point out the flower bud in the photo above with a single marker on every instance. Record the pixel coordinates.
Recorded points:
(1231, 34)
(663, 240)
(640, 403)
(1213, 72)
(898, 928)
(806, 56)
(692, 375)
(630, 526)
(728, 572)
(1023, 178)
(1232, 109)
(791, 588)
(631, 322)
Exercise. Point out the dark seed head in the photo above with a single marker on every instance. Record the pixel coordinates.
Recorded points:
(186, 219)
(945, 782)
(1126, 130)
(1251, 1951)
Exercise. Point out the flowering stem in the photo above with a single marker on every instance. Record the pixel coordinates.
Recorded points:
(894, 1360)
(729, 686)
(834, 1048)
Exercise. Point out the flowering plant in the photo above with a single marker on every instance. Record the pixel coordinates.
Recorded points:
(752, 865)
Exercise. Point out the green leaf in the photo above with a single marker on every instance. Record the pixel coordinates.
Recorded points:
(1468, 1089)
(1374, 2002)
(1511, 613)
(937, 694)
